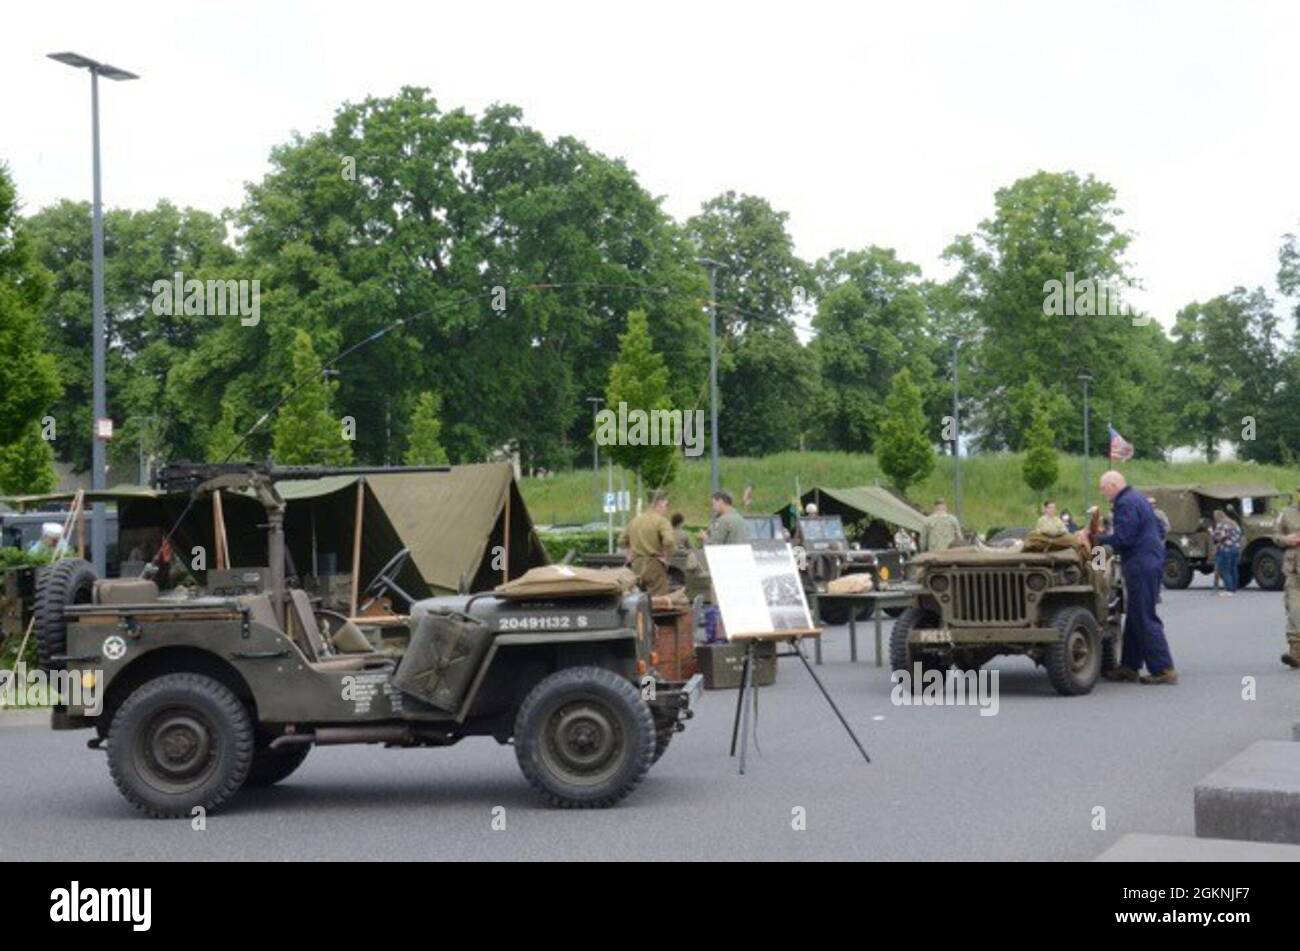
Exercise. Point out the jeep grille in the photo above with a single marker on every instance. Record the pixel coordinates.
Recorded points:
(989, 597)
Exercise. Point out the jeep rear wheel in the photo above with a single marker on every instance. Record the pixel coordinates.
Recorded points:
(180, 741)
(902, 655)
(68, 581)
(833, 615)
(1266, 567)
(584, 738)
(1074, 660)
(1178, 572)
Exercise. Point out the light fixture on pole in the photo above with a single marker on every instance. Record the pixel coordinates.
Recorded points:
(956, 430)
(103, 425)
(712, 267)
(1085, 378)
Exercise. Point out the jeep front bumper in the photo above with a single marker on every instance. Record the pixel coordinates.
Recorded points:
(675, 700)
(974, 636)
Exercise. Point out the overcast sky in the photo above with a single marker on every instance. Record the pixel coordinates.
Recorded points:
(870, 123)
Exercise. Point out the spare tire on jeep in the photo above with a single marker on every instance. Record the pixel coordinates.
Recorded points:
(69, 581)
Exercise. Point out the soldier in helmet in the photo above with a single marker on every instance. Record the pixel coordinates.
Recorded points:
(1287, 530)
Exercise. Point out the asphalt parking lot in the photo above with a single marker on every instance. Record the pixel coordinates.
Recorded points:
(944, 782)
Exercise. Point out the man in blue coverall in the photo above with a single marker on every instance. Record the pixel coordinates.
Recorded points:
(1137, 538)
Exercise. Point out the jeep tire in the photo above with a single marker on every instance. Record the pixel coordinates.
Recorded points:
(179, 742)
(67, 581)
(584, 738)
(902, 656)
(1177, 571)
(1266, 569)
(1074, 660)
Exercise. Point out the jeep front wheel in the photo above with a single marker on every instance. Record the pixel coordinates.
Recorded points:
(1074, 660)
(902, 655)
(179, 742)
(584, 738)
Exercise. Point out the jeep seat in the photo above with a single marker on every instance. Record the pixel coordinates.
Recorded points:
(307, 631)
(125, 591)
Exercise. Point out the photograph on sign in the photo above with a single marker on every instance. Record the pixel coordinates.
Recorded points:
(758, 589)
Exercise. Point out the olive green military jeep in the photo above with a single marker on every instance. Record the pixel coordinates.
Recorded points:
(1190, 510)
(1054, 607)
(202, 695)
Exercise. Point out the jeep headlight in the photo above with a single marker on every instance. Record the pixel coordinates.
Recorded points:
(1071, 574)
(938, 583)
(1036, 582)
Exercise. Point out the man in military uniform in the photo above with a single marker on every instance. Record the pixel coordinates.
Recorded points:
(650, 542)
(1287, 530)
(1161, 517)
(1049, 523)
(941, 530)
(728, 526)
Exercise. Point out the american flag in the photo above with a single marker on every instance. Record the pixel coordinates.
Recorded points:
(1120, 448)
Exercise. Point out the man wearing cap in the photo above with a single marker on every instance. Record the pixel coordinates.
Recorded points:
(1287, 530)
(1138, 539)
(650, 541)
(51, 541)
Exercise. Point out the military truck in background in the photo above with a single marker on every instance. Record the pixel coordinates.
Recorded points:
(1188, 548)
(824, 553)
(1056, 607)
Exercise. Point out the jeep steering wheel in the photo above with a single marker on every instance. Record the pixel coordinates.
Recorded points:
(386, 580)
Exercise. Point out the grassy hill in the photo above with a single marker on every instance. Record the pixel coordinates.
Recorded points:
(993, 492)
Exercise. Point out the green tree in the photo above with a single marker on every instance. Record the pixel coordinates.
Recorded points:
(29, 380)
(1050, 231)
(27, 465)
(874, 318)
(639, 379)
(423, 446)
(223, 439)
(1226, 363)
(306, 432)
(904, 451)
(772, 381)
(1041, 468)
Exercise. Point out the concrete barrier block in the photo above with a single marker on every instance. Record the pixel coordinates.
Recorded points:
(1253, 796)
(1141, 847)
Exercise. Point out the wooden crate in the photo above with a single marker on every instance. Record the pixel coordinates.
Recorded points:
(675, 643)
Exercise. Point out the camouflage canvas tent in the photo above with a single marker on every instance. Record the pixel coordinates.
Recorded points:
(455, 524)
(870, 502)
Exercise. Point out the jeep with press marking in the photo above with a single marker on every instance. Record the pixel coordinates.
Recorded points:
(204, 693)
(1059, 608)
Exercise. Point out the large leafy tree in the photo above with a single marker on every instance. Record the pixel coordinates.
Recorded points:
(772, 384)
(1227, 367)
(29, 381)
(501, 263)
(1056, 227)
(874, 318)
(141, 248)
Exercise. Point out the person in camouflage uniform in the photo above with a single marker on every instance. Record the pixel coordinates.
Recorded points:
(650, 541)
(1287, 530)
(941, 530)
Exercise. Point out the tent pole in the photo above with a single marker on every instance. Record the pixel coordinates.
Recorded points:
(505, 561)
(219, 526)
(356, 545)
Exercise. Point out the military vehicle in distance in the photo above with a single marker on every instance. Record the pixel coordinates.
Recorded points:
(824, 554)
(1054, 607)
(1188, 548)
(203, 695)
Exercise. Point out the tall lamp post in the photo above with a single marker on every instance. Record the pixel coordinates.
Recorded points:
(1085, 378)
(595, 402)
(956, 430)
(103, 427)
(712, 267)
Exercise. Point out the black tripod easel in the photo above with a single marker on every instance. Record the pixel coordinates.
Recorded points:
(742, 729)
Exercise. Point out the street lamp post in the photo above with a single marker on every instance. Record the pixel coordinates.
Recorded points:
(99, 398)
(956, 430)
(1085, 378)
(595, 402)
(712, 267)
